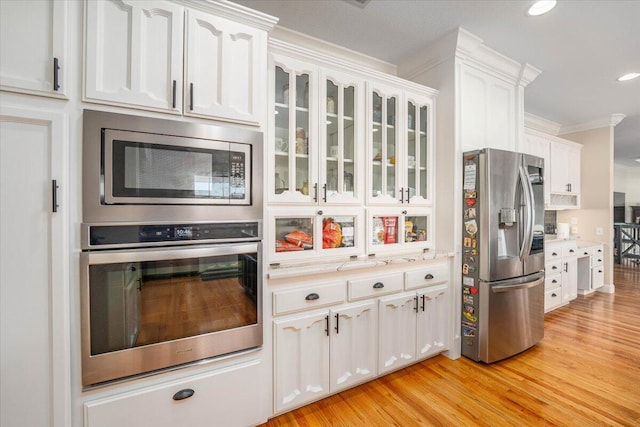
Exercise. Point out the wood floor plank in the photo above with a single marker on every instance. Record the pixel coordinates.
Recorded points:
(585, 372)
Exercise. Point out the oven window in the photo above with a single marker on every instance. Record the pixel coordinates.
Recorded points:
(142, 303)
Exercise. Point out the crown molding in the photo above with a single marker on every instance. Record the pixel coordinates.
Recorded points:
(611, 121)
(462, 45)
(234, 11)
(531, 121)
(311, 46)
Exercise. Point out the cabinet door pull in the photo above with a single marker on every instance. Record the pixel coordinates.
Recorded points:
(191, 96)
(315, 192)
(429, 276)
(56, 69)
(324, 189)
(408, 196)
(312, 297)
(416, 300)
(337, 328)
(54, 195)
(378, 285)
(183, 394)
(566, 267)
(326, 329)
(402, 195)
(173, 94)
(423, 299)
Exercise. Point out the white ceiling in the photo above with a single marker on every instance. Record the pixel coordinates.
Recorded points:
(580, 46)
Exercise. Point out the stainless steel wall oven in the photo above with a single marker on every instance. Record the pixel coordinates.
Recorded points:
(171, 238)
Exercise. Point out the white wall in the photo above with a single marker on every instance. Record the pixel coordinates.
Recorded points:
(627, 180)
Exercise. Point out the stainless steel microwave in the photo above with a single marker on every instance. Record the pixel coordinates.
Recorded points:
(140, 169)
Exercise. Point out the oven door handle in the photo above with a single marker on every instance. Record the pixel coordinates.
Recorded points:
(168, 253)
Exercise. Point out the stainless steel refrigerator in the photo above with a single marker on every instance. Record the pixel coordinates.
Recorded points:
(502, 254)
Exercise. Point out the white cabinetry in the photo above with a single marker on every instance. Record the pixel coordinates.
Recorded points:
(134, 57)
(538, 144)
(590, 268)
(323, 352)
(561, 273)
(32, 47)
(134, 53)
(34, 286)
(222, 397)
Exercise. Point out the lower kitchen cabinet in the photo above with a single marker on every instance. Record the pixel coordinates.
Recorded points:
(412, 326)
(224, 397)
(323, 352)
(561, 273)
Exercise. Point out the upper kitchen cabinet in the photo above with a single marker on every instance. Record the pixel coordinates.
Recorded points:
(315, 147)
(537, 144)
(565, 173)
(32, 47)
(136, 53)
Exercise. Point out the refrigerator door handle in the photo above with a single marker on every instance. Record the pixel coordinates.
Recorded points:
(508, 288)
(528, 232)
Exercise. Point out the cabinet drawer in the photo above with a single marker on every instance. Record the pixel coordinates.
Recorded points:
(551, 282)
(374, 286)
(552, 253)
(552, 298)
(553, 268)
(308, 297)
(221, 395)
(597, 277)
(597, 259)
(586, 251)
(430, 275)
(569, 251)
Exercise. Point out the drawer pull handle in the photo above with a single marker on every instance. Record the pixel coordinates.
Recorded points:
(554, 281)
(378, 285)
(586, 253)
(554, 254)
(312, 297)
(599, 260)
(599, 271)
(554, 267)
(571, 251)
(554, 294)
(183, 394)
(428, 276)
(599, 250)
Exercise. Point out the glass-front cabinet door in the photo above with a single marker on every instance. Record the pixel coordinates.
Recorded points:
(293, 144)
(418, 176)
(341, 136)
(384, 144)
(393, 229)
(299, 233)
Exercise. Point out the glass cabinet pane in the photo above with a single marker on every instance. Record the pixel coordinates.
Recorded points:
(294, 234)
(384, 230)
(333, 153)
(423, 165)
(282, 137)
(338, 231)
(391, 153)
(415, 228)
(376, 141)
(411, 149)
(301, 166)
(349, 139)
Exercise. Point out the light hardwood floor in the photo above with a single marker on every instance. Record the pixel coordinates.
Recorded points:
(585, 372)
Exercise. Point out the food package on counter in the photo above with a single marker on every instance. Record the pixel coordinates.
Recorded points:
(284, 246)
(300, 238)
(331, 234)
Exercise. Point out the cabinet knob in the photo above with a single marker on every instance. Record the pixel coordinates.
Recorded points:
(312, 297)
(183, 394)
(404, 212)
(378, 285)
(320, 212)
(429, 276)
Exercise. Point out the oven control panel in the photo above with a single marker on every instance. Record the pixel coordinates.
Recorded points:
(103, 236)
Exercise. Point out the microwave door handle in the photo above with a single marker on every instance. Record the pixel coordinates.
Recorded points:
(527, 191)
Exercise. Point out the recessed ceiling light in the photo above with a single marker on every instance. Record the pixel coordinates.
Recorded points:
(638, 160)
(629, 76)
(541, 7)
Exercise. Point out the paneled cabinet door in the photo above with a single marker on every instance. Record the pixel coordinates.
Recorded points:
(397, 332)
(225, 62)
(432, 321)
(417, 157)
(32, 48)
(384, 146)
(341, 137)
(293, 146)
(301, 359)
(569, 279)
(134, 53)
(34, 293)
(353, 344)
(565, 168)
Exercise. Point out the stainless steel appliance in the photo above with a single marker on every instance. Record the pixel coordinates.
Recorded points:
(165, 294)
(171, 244)
(503, 254)
(140, 169)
